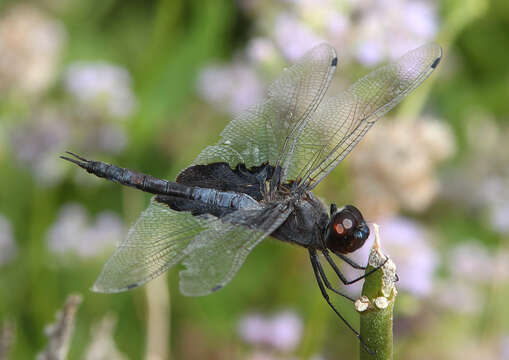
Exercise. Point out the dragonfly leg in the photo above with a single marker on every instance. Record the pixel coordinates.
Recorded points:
(349, 261)
(316, 269)
(316, 261)
(340, 274)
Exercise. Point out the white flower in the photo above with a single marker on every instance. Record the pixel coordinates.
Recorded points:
(102, 346)
(30, 44)
(394, 168)
(101, 84)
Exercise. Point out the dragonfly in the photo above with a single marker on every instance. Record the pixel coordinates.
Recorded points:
(257, 181)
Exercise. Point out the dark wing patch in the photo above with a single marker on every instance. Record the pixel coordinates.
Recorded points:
(220, 176)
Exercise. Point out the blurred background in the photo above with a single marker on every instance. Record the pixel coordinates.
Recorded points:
(146, 85)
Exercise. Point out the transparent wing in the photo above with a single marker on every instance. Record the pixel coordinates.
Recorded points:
(216, 254)
(155, 243)
(341, 121)
(267, 131)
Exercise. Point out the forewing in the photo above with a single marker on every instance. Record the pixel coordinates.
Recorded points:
(266, 131)
(216, 254)
(155, 243)
(341, 121)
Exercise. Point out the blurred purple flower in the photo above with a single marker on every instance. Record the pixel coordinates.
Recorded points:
(261, 50)
(233, 88)
(101, 84)
(504, 348)
(406, 25)
(369, 30)
(470, 262)
(470, 265)
(287, 330)
(264, 355)
(39, 140)
(287, 29)
(73, 233)
(458, 296)
(282, 331)
(409, 245)
(8, 248)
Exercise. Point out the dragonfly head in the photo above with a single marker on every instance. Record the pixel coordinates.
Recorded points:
(347, 230)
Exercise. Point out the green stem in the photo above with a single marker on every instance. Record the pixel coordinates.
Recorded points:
(376, 306)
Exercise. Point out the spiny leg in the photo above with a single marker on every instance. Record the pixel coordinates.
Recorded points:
(340, 274)
(314, 262)
(326, 281)
(354, 264)
(349, 261)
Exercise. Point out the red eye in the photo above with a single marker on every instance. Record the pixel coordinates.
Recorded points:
(339, 228)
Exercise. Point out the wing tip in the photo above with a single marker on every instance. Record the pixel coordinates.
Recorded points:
(439, 53)
(99, 289)
(436, 62)
(216, 288)
(430, 53)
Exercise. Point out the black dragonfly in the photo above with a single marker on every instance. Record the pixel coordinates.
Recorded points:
(257, 180)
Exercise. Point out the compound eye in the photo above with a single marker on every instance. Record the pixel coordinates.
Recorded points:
(348, 230)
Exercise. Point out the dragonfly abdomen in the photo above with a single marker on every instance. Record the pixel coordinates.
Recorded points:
(131, 178)
(226, 199)
(204, 197)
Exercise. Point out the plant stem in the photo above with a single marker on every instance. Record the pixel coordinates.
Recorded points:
(376, 305)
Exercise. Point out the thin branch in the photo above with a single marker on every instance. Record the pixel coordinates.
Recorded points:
(60, 332)
(376, 305)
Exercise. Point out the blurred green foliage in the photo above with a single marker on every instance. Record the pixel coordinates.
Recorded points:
(164, 44)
